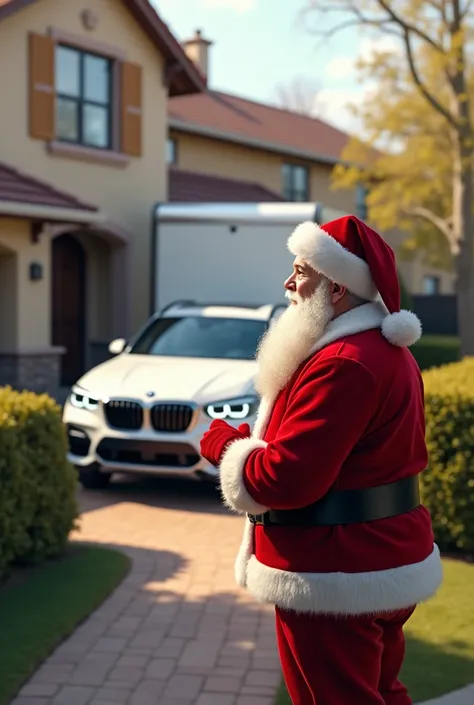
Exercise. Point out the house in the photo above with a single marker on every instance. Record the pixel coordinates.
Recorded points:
(238, 143)
(82, 161)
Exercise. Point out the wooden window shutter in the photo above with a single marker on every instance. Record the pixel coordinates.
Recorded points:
(131, 109)
(42, 119)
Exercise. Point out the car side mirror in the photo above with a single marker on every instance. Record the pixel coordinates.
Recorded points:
(117, 346)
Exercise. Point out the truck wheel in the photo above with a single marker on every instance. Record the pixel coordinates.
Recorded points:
(91, 478)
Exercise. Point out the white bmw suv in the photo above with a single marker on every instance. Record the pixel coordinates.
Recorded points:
(146, 410)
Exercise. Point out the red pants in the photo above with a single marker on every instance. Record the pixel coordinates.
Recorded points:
(337, 660)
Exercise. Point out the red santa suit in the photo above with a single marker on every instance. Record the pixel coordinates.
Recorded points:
(350, 418)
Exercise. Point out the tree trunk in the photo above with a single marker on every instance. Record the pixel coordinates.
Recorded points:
(463, 222)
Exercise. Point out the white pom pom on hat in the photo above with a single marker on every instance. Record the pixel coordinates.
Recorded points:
(349, 252)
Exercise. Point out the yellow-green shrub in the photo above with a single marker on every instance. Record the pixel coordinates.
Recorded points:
(37, 485)
(448, 483)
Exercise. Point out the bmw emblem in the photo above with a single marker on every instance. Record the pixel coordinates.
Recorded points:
(150, 394)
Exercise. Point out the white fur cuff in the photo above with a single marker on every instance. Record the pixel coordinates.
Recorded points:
(232, 467)
(346, 593)
(327, 256)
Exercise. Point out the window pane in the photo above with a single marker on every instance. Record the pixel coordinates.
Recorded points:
(68, 71)
(430, 286)
(67, 122)
(96, 79)
(300, 179)
(171, 151)
(286, 173)
(95, 126)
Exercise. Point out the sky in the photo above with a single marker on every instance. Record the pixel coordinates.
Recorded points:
(259, 44)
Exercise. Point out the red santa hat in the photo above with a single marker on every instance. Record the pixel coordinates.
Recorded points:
(349, 252)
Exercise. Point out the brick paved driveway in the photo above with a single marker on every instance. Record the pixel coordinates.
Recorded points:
(177, 631)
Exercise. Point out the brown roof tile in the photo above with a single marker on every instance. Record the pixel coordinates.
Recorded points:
(16, 187)
(186, 186)
(240, 120)
(184, 75)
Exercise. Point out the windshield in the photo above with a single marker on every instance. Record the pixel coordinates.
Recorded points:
(199, 336)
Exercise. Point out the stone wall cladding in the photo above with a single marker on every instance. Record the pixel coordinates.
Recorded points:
(37, 372)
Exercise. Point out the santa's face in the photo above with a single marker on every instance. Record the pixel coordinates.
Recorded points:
(291, 339)
(302, 283)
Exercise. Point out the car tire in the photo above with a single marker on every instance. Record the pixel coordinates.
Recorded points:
(91, 478)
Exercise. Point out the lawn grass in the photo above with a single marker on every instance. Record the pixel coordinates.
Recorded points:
(440, 639)
(40, 607)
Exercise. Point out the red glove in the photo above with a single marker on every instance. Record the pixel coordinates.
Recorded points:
(218, 437)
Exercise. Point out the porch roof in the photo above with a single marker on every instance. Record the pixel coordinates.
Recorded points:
(25, 196)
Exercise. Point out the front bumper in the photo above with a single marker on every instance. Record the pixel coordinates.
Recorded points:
(143, 452)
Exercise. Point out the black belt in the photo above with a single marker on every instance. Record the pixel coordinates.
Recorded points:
(349, 506)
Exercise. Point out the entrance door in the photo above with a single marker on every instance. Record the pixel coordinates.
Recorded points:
(68, 305)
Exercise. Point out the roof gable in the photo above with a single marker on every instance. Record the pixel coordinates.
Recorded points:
(182, 74)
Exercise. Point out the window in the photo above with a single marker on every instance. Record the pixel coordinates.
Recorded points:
(295, 182)
(83, 98)
(201, 336)
(361, 201)
(171, 151)
(431, 285)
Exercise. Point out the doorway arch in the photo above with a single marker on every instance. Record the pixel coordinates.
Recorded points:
(68, 297)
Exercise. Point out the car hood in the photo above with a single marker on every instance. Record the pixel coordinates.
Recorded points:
(170, 378)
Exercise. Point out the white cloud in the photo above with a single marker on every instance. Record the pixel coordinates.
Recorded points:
(339, 68)
(333, 105)
(343, 67)
(240, 6)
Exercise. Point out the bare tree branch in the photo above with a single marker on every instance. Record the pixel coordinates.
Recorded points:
(408, 27)
(467, 9)
(423, 89)
(444, 225)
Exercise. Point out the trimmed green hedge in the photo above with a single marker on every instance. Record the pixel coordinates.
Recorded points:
(37, 485)
(448, 483)
(434, 351)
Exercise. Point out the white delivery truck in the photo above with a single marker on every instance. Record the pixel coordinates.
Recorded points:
(218, 273)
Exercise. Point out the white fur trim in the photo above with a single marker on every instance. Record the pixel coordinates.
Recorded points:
(402, 328)
(232, 467)
(357, 320)
(346, 593)
(244, 554)
(263, 417)
(327, 256)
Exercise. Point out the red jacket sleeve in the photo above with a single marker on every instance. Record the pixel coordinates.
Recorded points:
(327, 413)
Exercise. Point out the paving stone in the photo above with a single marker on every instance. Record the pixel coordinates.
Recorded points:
(263, 678)
(222, 684)
(30, 701)
(160, 668)
(73, 695)
(115, 695)
(38, 690)
(183, 686)
(216, 699)
(148, 692)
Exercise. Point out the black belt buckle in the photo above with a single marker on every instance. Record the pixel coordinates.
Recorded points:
(259, 519)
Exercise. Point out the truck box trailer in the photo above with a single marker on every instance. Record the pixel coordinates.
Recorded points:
(226, 253)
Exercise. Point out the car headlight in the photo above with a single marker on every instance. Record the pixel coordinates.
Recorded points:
(83, 400)
(233, 409)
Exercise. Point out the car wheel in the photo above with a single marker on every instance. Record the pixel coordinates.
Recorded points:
(91, 478)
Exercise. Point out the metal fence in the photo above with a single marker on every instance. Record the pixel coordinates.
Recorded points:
(437, 313)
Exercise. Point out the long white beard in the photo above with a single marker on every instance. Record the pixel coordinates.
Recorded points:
(289, 341)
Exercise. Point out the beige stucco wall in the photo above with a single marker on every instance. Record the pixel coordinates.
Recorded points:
(127, 193)
(25, 311)
(227, 159)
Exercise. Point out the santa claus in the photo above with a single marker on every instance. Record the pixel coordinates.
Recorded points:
(336, 537)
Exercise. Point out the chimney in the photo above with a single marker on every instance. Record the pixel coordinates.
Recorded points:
(197, 49)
